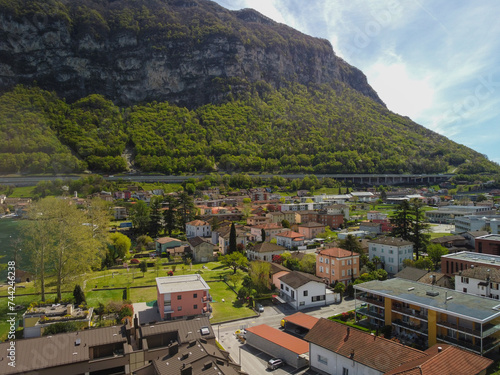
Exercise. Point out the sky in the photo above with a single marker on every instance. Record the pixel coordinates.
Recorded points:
(435, 61)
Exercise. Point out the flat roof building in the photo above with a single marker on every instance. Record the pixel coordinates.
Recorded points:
(427, 314)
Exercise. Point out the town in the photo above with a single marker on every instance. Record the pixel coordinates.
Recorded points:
(235, 281)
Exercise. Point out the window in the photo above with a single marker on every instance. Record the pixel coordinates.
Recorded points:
(465, 280)
(302, 303)
(343, 272)
(465, 290)
(354, 261)
(343, 262)
(333, 272)
(322, 359)
(286, 288)
(179, 296)
(355, 271)
(195, 307)
(332, 262)
(345, 371)
(326, 260)
(348, 262)
(306, 292)
(320, 270)
(321, 259)
(195, 295)
(348, 272)
(282, 286)
(179, 308)
(327, 270)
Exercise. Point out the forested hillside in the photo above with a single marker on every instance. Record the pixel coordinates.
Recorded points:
(296, 129)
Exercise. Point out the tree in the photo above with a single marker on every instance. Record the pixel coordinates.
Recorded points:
(78, 295)
(435, 252)
(376, 261)
(263, 234)
(234, 260)
(308, 263)
(424, 264)
(186, 208)
(418, 236)
(232, 239)
(285, 223)
(158, 266)
(339, 288)
(155, 217)
(169, 218)
(142, 242)
(120, 245)
(401, 221)
(139, 214)
(143, 266)
(259, 275)
(351, 244)
(62, 242)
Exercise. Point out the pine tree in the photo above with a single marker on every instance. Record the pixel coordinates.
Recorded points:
(401, 221)
(232, 240)
(263, 235)
(78, 295)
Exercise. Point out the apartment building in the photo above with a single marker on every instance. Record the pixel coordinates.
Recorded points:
(425, 314)
(452, 264)
(182, 296)
(489, 244)
(391, 251)
(198, 228)
(337, 265)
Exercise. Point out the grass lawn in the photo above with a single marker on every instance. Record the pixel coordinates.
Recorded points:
(143, 294)
(231, 308)
(437, 235)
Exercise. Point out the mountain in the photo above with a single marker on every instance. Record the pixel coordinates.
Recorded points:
(188, 86)
(183, 52)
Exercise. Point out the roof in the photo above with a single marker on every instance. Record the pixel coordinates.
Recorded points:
(450, 360)
(268, 226)
(451, 302)
(337, 252)
(296, 279)
(198, 223)
(490, 237)
(267, 247)
(280, 338)
(199, 356)
(411, 273)
(290, 234)
(446, 239)
(276, 267)
(163, 240)
(372, 351)
(195, 241)
(312, 224)
(302, 320)
(181, 283)
(478, 233)
(391, 241)
(369, 224)
(470, 256)
(187, 330)
(482, 273)
(29, 356)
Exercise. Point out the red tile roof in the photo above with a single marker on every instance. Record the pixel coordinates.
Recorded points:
(290, 234)
(280, 338)
(302, 320)
(337, 252)
(198, 223)
(372, 351)
(450, 361)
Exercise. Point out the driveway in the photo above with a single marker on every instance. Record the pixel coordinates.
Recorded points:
(145, 313)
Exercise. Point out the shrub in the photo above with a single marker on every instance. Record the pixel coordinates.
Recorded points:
(134, 261)
(170, 273)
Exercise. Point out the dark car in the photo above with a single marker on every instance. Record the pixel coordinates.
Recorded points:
(274, 363)
(259, 307)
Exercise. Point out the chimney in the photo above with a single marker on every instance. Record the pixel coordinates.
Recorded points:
(173, 349)
(348, 331)
(69, 309)
(186, 369)
(352, 354)
(136, 321)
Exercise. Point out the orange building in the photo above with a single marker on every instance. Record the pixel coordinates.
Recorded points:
(336, 264)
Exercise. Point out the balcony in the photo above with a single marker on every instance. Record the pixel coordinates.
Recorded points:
(206, 299)
(371, 300)
(370, 312)
(489, 329)
(470, 331)
(419, 329)
(461, 343)
(409, 312)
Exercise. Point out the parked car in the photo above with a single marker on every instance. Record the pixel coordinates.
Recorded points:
(259, 307)
(274, 363)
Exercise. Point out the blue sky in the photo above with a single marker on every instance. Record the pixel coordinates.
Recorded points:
(435, 61)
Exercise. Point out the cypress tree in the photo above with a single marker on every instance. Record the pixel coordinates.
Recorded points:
(232, 239)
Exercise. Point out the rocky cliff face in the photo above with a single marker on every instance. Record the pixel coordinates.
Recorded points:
(188, 53)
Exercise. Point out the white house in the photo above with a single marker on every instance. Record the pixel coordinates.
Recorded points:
(264, 251)
(302, 290)
(481, 281)
(198, 228)
(290, 239)
(391, 251)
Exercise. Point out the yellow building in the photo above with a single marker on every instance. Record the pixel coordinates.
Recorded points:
(424, 314)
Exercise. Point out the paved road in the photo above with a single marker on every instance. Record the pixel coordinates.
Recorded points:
(253, 361)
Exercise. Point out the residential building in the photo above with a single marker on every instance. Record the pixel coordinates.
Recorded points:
(331, 220)
(164, 244)
(119, 213)
(202, 249)
(310, 230)
(454, 244)
(271, 229)
(277, 270)
(354, 233)
(489, 244)
(423, 276)
(258, 220)
(375, 215)
(198, 228)
(372, 228)
(299, 323)
(481, 281)
(264, 251)
(337, 349)
(242, 236)
(37, 319)
(337, 265)
(278, 217)
(452, 264)
(391, 251)
(302, 290)
(471, 237)
(182, 296)
(338, 209)
(290, 239)
(425, 314)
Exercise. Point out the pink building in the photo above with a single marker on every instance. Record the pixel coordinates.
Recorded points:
(182, 296)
